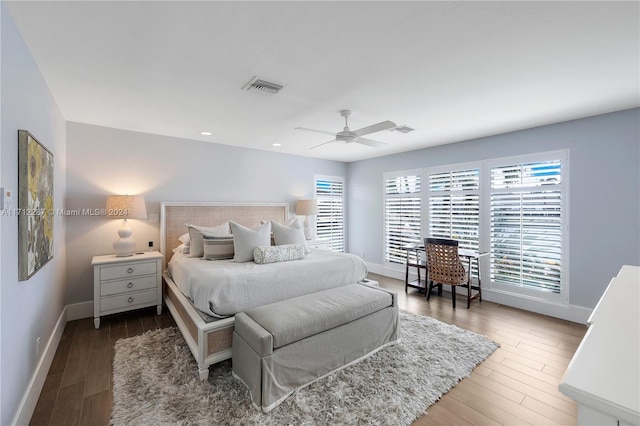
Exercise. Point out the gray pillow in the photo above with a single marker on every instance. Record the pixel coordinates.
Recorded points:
(246, 239)
(283, 234)
(216, 248)
(197, 232)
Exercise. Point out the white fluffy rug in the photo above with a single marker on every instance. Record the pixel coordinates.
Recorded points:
(155, 382)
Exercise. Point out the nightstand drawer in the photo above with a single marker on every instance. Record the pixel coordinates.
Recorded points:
(124, 286)
(128, 300)
(128, 270)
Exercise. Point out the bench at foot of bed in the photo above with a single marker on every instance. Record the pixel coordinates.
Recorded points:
(284, 346)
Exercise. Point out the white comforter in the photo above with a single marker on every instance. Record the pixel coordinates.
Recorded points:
(223, 287)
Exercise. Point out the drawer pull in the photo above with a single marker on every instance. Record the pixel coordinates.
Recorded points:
(130, 300)
(130, 285)
(130, 270)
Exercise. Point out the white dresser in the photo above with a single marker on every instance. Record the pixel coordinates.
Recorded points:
(604, 374)
(125, 283)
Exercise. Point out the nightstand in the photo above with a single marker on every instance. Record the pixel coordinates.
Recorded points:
(318, 244)
(124, 283)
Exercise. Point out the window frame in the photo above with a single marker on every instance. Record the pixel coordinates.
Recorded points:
(562, 156)
(395, 266)
(484, 233)
(341, 245)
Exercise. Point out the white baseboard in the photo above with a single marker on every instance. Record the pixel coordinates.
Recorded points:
(79, 310)
(572, 313)
(30, 397)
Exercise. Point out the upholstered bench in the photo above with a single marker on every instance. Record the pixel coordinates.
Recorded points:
(284, 346)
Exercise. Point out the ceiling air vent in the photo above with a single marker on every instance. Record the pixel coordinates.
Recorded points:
(261, 86)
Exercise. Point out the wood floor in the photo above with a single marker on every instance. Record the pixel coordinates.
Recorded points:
(516, 385)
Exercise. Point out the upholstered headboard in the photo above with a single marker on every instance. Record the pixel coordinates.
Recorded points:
(174, 216)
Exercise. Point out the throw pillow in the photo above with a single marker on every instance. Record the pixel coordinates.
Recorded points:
(284, 253)
(197, 232)
(216, 248)
(283, 234)
(246, 239)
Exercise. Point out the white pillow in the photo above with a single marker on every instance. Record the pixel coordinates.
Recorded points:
(196, 232)
(182, 248)
(184, 239)
(246, 239)
(283, 234)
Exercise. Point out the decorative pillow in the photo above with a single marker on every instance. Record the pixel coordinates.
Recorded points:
(283, 234)
(282, 253)
(246, 239)
(182, 248)
(196, 232)
(184, 239)
(216, 248)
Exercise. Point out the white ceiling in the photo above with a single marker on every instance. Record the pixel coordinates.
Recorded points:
(451, 70)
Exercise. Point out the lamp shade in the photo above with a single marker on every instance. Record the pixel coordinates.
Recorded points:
(126, 207)
(306, 207)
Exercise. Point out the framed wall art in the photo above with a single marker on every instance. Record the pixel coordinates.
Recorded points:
(35, 205)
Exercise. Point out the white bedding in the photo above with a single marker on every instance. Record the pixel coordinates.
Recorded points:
(223, 287)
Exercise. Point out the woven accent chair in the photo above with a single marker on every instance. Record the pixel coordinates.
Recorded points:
(445, 267)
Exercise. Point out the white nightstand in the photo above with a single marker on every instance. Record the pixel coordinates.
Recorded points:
(318, 244)
(125, 283)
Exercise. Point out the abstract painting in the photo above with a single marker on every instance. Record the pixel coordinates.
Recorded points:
(35, 205)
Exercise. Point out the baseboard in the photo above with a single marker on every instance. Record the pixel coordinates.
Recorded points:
(577, 314)
(79, 310)
(30, 398)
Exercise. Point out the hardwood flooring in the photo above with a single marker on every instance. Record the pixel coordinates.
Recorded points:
(516, 385)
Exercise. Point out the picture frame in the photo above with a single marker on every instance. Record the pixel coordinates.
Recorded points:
(35, 205)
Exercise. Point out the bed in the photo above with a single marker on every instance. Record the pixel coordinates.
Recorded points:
(204, 312)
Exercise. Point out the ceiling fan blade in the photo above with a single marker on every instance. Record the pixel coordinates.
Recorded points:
(314, 130)
(383, 125)
(318, 146)
(369, 142)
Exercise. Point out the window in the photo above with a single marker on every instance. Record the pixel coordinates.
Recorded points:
(526, 226)
(402, 214)
(454, 206)
(330, 218)
(514, 208)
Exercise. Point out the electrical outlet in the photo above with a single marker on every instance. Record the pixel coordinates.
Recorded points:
(154, 218)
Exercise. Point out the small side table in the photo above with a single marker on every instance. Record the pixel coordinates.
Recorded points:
(125, 283)
(416, 258)
(318, 244)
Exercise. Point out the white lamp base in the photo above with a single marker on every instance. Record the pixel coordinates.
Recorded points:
(125, 245)
(308, 231)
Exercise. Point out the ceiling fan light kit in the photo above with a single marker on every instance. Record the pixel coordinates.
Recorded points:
(349, 136)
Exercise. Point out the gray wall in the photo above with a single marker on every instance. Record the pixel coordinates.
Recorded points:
(604, 188)
(28, 309)
(104, 161)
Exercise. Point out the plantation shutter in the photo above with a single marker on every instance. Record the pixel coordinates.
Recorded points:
(330, 218)
(454, 206)
(402, 221)
(527, 225)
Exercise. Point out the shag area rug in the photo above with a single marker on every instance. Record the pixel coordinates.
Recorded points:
(155, 382)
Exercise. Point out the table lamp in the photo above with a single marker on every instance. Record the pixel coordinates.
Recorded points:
(125, 207)
(307, 208)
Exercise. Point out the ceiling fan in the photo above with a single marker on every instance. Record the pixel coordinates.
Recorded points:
(348, 136)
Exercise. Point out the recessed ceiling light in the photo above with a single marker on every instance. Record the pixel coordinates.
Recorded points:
(206, 133)
(277, 144)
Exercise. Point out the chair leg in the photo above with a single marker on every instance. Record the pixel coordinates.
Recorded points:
(429, 288)
(453, 295)
(469, 295)
(406, 277)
